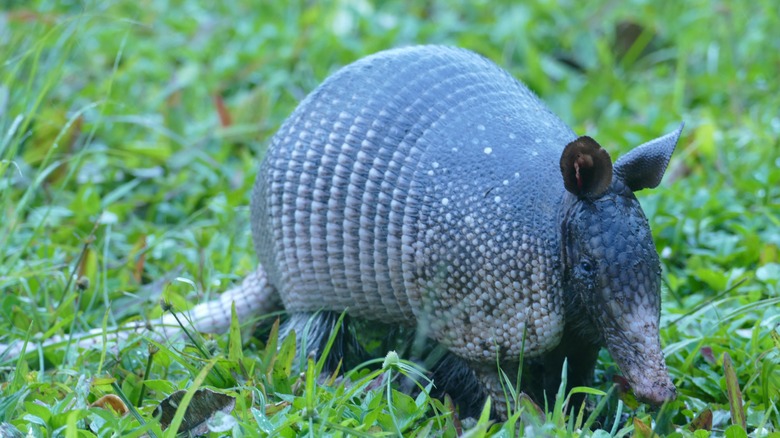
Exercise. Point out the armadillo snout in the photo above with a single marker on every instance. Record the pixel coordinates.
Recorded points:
(637, 352)
(657, 394)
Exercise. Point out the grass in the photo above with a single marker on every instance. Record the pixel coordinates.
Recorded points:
(130, 134)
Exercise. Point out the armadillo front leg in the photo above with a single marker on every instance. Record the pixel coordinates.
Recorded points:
(496, 386)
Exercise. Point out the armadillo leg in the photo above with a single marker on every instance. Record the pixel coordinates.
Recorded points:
(452, 375)
(253, 297)
(312, 333)
(496, 386)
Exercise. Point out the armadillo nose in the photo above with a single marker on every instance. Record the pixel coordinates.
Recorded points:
(657, 394)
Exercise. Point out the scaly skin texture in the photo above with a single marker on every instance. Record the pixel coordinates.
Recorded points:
(373, 196)
(424, 187)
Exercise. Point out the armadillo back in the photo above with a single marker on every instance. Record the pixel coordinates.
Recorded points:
(419, 186)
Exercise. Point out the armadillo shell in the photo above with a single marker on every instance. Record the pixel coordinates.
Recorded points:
(419, 186)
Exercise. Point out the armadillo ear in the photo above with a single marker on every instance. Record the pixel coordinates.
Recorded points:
(586, 168)
(644, 166)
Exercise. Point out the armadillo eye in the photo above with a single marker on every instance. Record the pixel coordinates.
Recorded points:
(586, 266)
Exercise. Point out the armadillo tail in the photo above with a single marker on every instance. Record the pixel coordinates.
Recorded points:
(253, 297)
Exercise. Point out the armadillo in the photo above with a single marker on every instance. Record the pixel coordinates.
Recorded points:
(427, 188)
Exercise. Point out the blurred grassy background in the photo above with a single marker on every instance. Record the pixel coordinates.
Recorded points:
(130, 133)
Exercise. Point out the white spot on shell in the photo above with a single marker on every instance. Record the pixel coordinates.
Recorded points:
(488, 150)
(445, 201)
(497, 199)
(505, 182)
(534, 153)
(481, 127)
(538, 140)
(430, 173)
(435, 165)
(512, 135)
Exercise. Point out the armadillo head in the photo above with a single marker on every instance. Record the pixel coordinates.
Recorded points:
(612, 275)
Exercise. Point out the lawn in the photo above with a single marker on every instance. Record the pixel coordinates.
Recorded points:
(130, 136)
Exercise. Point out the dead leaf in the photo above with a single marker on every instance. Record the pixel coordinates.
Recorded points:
(111, 401)
(205, 404)
(734, 393)
(641, 430)
(703, 421)
(224, 115)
